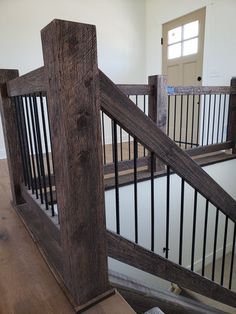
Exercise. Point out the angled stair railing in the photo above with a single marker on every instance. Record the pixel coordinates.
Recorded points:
(125, 114)
(51, 118)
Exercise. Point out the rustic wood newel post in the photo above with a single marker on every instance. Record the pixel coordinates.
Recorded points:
(231, 131)
(9, 123)
(157, 106)
(71, 72)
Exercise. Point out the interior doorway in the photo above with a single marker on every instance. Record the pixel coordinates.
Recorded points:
(183, 44)
(182, 59)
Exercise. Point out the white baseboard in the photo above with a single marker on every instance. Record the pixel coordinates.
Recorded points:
(209, 257)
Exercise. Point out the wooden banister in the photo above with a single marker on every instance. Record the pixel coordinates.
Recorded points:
(136, 89)
(72, 79)
(12, 144)
(201, 90)
(134, 255)
(31, 82)
(116, 105)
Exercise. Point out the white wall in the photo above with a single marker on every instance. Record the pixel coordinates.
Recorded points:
(219, 53)
(120, 31)
(225, 178)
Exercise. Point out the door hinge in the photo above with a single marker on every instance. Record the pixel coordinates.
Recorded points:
(161, 40)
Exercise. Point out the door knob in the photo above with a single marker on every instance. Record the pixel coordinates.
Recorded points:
(199, 78)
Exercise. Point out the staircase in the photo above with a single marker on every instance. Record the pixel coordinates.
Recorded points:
(72, 134)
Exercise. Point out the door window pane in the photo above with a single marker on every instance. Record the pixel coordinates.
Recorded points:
(190, 47)
(174, 35)
(191, 30)
(174, 51)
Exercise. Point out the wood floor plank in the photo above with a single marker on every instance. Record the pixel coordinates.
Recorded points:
(26, 284)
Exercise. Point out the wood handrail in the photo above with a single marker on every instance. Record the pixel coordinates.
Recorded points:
(200, 90)
(135, 255)
(136, 89)
(116, 105)
(31, 82)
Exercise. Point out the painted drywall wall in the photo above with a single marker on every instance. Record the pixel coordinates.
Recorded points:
(219, 60)
(225, 178)
(120, 33)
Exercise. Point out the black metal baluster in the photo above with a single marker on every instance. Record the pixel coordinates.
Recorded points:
(103, 139)
(215, 245)
(116, 179)
(129, 142)
(181, 119)
(193, 113)
(209, 115)
(213, 123)
(186, 129)
(224, 251)
(19, 127)
(219, 114)
(152, 202)
(174, 117)
(52, 163)
(181, 222)
(34, 186)
(27, 132)
(144, 110)
(112, 140)
(47, 140)
(36, 149)
(198, 118)
(167, 211)
(203, 119)
(168, 119)
(194, 229)
(121, 145)
(135, 190)
(205, 238)
(40, 150)
(232, 258)
(223, 119)
(25, 141)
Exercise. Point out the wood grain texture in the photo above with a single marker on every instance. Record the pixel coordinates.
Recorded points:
(206, 149)
(157, 106)
(70, 58)
(201, 90)
(116, 105)
(136, 89)
(126, 165)
(134, 255)
(11, 137)
(31, 82)
(231, 131)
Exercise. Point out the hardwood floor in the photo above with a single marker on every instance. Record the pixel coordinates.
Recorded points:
(26, 284)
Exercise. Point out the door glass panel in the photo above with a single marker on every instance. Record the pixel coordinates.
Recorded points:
(190, 47)
(191, 30)
(174, 51)
(174, 35)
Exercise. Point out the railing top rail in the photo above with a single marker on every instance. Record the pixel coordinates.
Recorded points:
(136, 89)
(32, 82)
(116, 105)
(200, 90)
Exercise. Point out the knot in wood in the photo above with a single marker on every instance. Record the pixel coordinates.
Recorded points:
(82, 121)
(88, 82)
